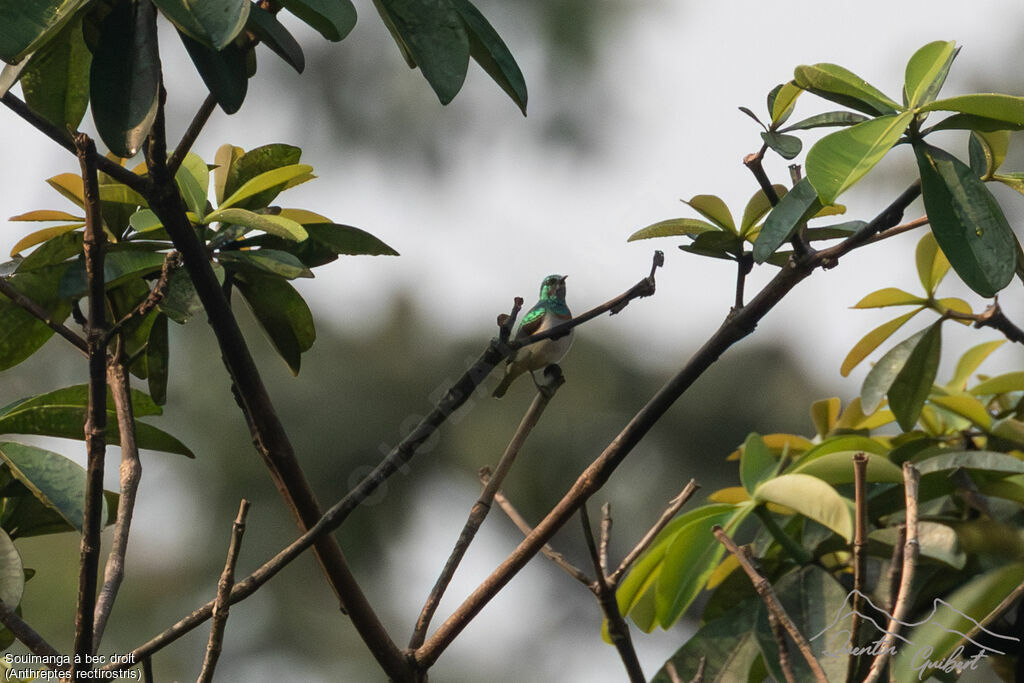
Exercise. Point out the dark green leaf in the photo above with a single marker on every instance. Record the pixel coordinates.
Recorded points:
(433, 37)
(913, 383)
(181, 301)
(334, 19)
(491, 53)
(724, 649)
(26, 26)
(56, 81)
(118, 267)
(828, 119)
(966, 221)
(792, 211)
(125, 77)
(157, 360)
(839, 85)
(983, 461)
(883, 374)
(56, 481)
(282, 313)
(256, 162)
(21, 334)
(53, 251)
(214, 23)
(225, 72)
(972, 122)
(272, 261)
(716, 244)
(274, 35)
(345, 239)
(62, 413)
(786, 146)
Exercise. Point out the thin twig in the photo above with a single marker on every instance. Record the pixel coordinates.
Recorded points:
(606, 537)
(130, 475)
(895, 564)
(171, 263)
(480, 510)
(993, 317)
(779, 634)
(674, 506)
(222, 604)
(697, 677)
(764, 589)
(901, 607)
(29, 637)
(618, 630)
(61, 137)
(96, 417)
(997, 612)
(548, 552)
(19, 299)
(899, 229)
(860, 555)
(191, 133)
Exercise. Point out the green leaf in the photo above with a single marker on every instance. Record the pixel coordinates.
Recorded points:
(345, 239)
(1006, 108)
(993, 147)
(274, 35)
(690, 559)
(193, 180)
(53, 252)
(333, 19)
(39, 236)
(792, 211)
(941, 628)
(214, 23)
(12, 572)
(781, 102)
(885, 371)
(757, 207)
(839, 85)
(840, 159)
(927, 71)
(224, 162)
(267, 185)
(432, 36)
(837, 468)
(975, 123)
(491, 53)
(936, 542)
(145, 220)
(812, 498)
(27, 26)
(714, 209)
(724, 649)
(157, 360)
(271, 261)
(983, 461)
(181, 301)
(225, 72)
(237, 168)
(55, 82)
(716, 244)
(1000, 384)
(62, 413)
(673, 227)
(275, 225)
(828, 119)
(912, 385)
(56, 481)
(757, 463)
(21, 334)
(125, 77)
(786, 146)
(964, 406)
(889, 296)
(118, 267)
(966, 221)
(969, 363)
(282, 313)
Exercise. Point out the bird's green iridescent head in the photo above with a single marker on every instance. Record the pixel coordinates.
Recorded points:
(553, 288)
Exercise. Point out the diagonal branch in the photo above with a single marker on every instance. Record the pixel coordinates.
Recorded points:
(480, 510)
(674, 506)
(37, 311)
(28, 636)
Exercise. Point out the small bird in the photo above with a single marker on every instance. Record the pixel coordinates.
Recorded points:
(546, 313)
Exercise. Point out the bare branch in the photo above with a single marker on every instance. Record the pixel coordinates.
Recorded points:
(993, 317)
(860, 555)
(28, 636)
(911, 477)
(191, 134)
(480, 510)
(764, 589)
(222, 604)
(606, 537)
(618, 630)
(96, 418)
(674, 506)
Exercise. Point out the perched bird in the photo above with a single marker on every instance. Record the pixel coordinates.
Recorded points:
(546, 313)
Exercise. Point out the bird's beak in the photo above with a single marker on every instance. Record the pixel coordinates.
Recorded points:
(564, 277)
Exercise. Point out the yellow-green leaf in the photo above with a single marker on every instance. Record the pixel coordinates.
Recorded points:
(927, 70)
(714, 209)
(274, 225)
(889, 296)
(970, 361)
(673, 227)
(1001, 384)
(785, 100)
(278, 177)
(871, 341)
(824, 414)
(303, 216)
(932, 264)
(40, 236)
(812, 498)
(46, 215)
(966, 407)
(69, 185)
(758, 207)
